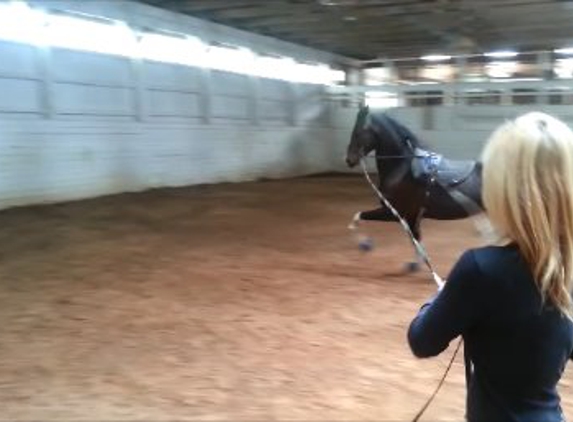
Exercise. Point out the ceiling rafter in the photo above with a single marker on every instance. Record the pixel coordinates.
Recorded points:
(361, 29)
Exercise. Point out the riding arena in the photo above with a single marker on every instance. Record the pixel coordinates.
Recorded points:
(183, 241)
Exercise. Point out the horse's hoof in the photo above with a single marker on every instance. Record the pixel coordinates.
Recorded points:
(412, 267)
(366, 244)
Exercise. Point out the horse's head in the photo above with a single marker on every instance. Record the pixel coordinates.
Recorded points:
(362, 140)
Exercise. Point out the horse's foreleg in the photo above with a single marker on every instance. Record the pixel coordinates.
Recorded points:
(384, 214)
(378, 214)
(355, 221)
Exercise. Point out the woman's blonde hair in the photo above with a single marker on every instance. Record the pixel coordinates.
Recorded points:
(528, 195)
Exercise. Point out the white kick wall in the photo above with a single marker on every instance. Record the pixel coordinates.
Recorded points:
(77, 124)
(461, 131)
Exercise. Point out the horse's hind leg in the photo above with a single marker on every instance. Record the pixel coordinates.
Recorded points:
(414, 265)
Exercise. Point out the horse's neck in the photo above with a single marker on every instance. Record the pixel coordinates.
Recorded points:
(392, 153)
(389, 162)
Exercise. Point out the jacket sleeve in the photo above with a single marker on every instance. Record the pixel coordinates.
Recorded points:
(449, 313)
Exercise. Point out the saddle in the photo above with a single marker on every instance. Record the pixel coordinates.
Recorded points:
(449, 173)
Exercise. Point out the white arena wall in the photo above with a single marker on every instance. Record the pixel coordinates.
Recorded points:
(77, 124)
(461, 131)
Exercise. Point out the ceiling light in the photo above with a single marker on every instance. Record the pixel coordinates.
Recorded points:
(501, 69)
(568, 50)
(435, 58)
(501, 54)
(328, 3)
(339, 2)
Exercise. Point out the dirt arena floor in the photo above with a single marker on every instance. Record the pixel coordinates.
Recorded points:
(229, 302)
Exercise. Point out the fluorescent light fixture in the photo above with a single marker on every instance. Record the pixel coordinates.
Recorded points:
(20, 23)
(76, 33)
(308, 73)
(416, 83)
(270, 67)
(188, 51)
(287, 69)
(380, 99)
(230, 59)
(337, 76)
(436, 58)
(564, 68)
(501, 81)
(302, 72)
(23, 24)
(501, 54)
(437, 72)
(501, 69)
(377, 76)
(567, 50)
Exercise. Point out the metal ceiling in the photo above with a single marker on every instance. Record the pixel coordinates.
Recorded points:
(371, 29)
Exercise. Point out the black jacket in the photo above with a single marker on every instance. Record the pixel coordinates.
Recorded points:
(518, 346)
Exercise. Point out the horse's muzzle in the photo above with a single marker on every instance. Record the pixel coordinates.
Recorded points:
(351, 162)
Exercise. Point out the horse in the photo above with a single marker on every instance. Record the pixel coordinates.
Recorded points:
(418, 182)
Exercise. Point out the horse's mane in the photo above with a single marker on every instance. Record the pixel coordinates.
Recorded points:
(392, 125)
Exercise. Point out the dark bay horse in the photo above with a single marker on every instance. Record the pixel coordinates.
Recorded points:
(419, 183)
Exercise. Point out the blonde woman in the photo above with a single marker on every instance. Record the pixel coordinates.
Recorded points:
(511, 302)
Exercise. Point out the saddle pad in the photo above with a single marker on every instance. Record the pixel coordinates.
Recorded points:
(453, 172)
(447, 172)
(425, 164)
